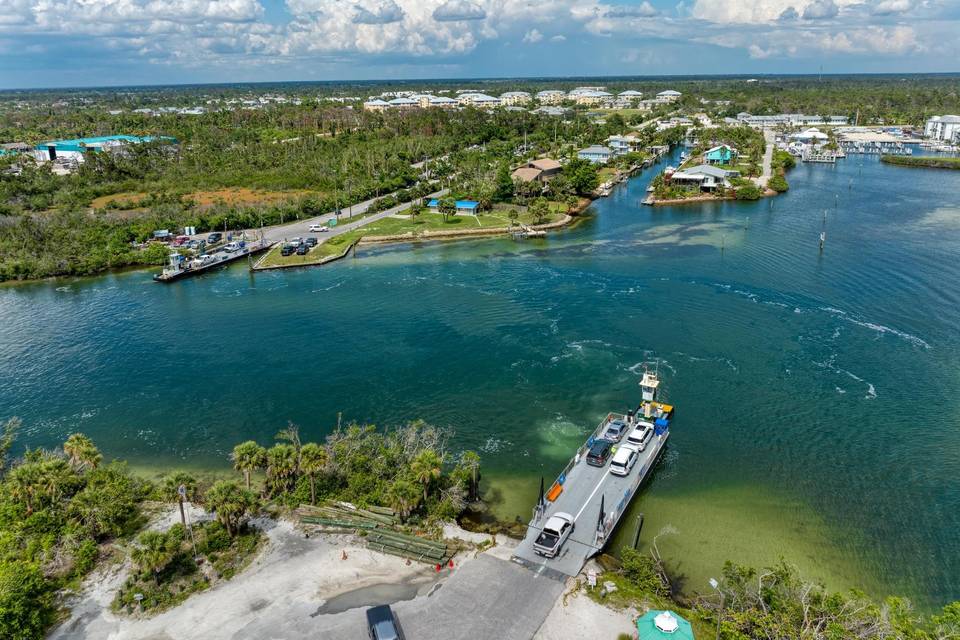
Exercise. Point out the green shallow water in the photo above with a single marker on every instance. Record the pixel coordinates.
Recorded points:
(817, 416)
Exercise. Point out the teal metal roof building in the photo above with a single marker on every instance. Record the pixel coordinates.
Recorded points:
(81, 145)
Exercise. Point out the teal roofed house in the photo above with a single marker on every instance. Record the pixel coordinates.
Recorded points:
(720, 154)
(75, 149)
(663, 625)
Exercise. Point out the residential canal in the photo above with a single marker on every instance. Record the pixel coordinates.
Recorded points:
(817, 414)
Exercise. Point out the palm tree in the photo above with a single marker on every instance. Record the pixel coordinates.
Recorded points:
(25, 483)
(403, 497)
(426, 467)
(231, 503)
(248, 457)
(81, 452)
(281, 467)
(313, 460)
(154, 552)
(171, 491)
(447, 207)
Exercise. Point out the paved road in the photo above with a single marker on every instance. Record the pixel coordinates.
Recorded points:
(301, 228)
(486, 599)
(770, 139)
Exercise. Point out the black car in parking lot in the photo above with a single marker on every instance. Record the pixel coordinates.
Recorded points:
(302, 249)
(382, 624)
(311, 241)
(286, 250)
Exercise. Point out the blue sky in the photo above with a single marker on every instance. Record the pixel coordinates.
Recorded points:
(52, 43)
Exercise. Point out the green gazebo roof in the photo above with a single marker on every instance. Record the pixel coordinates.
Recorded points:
(657, 625)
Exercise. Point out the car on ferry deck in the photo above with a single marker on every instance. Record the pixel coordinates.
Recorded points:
(554, 534)
(640, 437)
(623, 460)
(599, 452)
(615, 430)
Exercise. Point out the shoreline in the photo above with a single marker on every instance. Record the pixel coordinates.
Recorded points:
(766, 193)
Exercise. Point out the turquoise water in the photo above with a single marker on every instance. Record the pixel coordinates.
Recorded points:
(817, 410)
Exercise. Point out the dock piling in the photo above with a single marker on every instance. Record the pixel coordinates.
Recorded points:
(636, 536)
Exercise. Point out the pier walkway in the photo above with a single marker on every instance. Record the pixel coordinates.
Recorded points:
(585, 489)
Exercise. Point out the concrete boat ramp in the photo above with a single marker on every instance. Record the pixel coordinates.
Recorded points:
(596, 498)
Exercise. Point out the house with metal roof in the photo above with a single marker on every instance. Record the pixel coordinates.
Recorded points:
(403, 103)
(465, 207)
(720, 154)
(481, 100)
(514, 98)
(630, 94)
(704, 176)
(669, 95)
(376, 105)
(551, 96)
(597, 154)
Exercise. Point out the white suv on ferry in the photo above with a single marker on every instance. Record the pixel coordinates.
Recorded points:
(640, 437)
(623, 460)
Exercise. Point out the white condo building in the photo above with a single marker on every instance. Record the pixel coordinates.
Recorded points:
(945, 128)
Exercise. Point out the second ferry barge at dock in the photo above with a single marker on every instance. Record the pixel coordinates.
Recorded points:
(592, 493)
(179, 266)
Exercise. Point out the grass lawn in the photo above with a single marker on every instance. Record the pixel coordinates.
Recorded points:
(499, 217)
(606, 173)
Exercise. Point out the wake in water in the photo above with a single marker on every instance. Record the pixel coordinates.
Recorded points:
(880, 329)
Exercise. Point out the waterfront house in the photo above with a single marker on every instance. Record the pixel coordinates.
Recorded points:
(720, 154)
(597, 154)
(548, 166)
(623, 144)
(542, 170)
(705, 177)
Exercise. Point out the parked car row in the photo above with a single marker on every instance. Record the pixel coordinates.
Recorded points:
(298, 245)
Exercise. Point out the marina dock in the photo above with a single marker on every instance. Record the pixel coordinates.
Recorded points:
(596, 498)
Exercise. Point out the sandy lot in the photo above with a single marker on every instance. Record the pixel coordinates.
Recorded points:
(291, 570)
(303, 587)
(582, 618)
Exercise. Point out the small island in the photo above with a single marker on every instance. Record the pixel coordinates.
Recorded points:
(930, 162)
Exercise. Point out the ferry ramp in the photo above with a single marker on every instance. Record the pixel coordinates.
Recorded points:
(587, 489)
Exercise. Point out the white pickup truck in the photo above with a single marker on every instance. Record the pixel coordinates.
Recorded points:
(554, 534)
